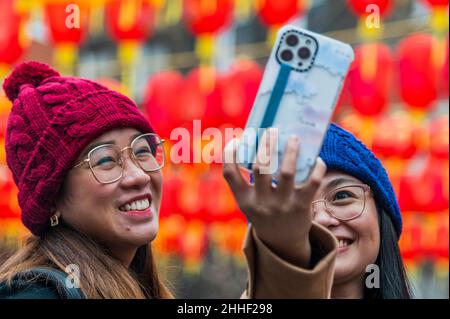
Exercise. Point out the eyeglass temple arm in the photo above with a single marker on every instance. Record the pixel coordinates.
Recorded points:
(82, 162)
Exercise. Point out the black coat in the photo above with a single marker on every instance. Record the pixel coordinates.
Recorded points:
(39, 283)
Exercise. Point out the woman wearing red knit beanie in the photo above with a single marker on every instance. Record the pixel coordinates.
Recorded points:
(88, 168)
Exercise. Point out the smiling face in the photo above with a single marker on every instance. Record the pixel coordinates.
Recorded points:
(359, 238)
(122, 214)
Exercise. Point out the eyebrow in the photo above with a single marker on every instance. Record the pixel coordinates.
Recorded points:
(339, 181)
(94, 145)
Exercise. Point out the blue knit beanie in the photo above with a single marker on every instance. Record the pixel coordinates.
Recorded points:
(342, 151)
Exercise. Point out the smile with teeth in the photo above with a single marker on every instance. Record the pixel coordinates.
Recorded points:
(344, 242)
(142, 204)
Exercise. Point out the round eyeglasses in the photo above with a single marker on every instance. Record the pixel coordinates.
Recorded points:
(106, 161)
(344, 203)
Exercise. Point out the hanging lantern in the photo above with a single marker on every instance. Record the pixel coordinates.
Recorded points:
(239, 87)
(410, 241)
(425, 189)
(353, 123)
(13, 38)
(442, 236)
(222, 206)
(397, 136)
(439, 28)
(204, 19)
(418, 73)
(369, 30)
(438, 137)
(172, 184)
(67, 24)
(198, 103)
(370, 78)
(275, 13)
(445, 69)
(130, 23)
(161, 104)
(169, 240)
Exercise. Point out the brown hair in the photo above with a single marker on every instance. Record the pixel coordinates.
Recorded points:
(101, 275)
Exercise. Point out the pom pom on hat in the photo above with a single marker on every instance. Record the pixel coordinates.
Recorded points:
(32, 72)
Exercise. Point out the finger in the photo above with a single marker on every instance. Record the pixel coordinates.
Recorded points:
(263, 166)
(309, 189)
(286, 180)
(231, 172)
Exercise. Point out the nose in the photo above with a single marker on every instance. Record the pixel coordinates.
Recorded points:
(322, 216)
(133, 175)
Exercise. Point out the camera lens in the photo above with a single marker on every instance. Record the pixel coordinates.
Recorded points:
(304, 53)
(287, 55)
(292, 40)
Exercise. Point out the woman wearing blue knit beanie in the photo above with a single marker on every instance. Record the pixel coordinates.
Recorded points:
(354, 202)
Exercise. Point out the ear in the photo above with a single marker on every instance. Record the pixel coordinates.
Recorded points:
(54, 211)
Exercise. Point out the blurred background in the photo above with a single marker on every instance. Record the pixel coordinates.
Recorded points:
(182, 60)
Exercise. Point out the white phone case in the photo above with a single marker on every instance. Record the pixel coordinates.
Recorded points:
(297, 95)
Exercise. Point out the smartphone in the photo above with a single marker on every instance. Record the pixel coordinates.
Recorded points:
(301, 85)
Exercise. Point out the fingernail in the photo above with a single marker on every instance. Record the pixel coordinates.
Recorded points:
(319, 159)
(294, 139)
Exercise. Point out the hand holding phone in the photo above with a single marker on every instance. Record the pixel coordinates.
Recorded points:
(299, 90)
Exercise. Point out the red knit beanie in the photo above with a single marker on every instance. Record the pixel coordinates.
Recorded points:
(52, 120)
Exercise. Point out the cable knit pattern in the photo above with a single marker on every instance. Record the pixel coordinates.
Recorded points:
(52, 120)
(342, 151)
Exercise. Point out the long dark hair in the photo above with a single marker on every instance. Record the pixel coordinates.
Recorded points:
(394, 283)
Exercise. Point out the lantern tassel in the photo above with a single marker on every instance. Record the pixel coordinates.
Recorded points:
(205, 52)
(369, 62)
(173, 12)
(369, 33)
(65, 57)
(439, 20)
(128, 53)
(272, 35)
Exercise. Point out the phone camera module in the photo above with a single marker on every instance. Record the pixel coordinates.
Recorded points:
(304, 53)
(287, 55)
(292, 40)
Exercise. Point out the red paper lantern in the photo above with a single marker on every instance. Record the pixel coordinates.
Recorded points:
(397, 136)
(369, 78)
(411, 239)
(359, 7)
(169, 240)
(442, 236)
(197, 102)
(239, 87)
(417, 71)
(207, 16)
(161, 103)
(11, 44)
(425, 191)
(276, 12)
(56, 16)
(129, 20)
(438, 137)
(445, 69)
(437, 3)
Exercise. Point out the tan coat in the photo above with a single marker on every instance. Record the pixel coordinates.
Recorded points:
(271, 277)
